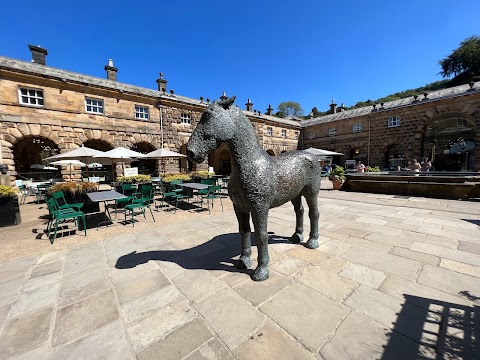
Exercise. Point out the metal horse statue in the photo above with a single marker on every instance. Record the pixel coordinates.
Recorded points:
(258, 181)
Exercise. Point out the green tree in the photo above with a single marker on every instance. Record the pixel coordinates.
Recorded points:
(289, 108)
(464, 62)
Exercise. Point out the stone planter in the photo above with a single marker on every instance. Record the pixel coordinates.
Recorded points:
(9, 211)
(337, 184)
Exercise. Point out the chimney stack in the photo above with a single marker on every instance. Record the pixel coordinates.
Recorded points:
(333, 107)
(111, 71)
(249, 105)
(38, 54)
(269, 110)
(224, 96)
(162, 84)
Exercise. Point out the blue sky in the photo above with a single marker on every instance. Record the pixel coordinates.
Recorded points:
(269, 51)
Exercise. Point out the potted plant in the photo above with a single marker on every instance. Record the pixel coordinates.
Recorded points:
(337, 177)
(139, 180)
(76, 192)
(201, 175)
(9, 207)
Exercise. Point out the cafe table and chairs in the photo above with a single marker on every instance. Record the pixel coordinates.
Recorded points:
(105, 197)
(191, 187)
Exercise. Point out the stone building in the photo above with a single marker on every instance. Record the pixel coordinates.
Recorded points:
(442, 125)
(44, 111)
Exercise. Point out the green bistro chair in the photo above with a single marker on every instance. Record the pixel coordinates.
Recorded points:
(140, 201)
(41, 191)
(127, 190)
(164, 195)
(58, 215)
(214, 192)
(61, 202)
(204, 192)
(178, 193)
(26, 192)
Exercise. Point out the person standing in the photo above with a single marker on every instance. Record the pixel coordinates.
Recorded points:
(426, 165)
(415, 166)
(360, 167)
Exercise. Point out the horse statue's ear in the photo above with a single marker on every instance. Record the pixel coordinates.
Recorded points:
(227, 102)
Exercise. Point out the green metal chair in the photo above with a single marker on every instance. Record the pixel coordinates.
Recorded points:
(59, 198)
(26, 192)
(58, 215)
(140, 201)
(164, 195)
(214, 192)
(127, 190)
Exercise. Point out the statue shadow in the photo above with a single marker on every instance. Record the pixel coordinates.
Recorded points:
(219, 253)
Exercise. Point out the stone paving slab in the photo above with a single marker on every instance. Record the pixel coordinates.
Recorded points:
(390, 274)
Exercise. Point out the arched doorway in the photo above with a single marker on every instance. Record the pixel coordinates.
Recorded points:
(29, 155)
(185, 163)
(270, 152)
(145, 166)
(449, 141)
(105, 171)
(394, 157)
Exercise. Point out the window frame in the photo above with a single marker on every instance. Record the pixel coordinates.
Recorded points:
(284, 133)
(30, 97)
(394, 121)
(95, 106)
(296, 135)
(269, 131)
(311, 135)
(332, 132)
(357, 128)
(186, 118)
(139, 113)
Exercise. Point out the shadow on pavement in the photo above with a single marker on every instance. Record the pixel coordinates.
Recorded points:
(451, 330)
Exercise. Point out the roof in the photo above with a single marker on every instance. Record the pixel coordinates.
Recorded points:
(64, 75)
(409, 101)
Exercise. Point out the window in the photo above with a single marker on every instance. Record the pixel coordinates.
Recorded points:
(356, 128)
(332, 132)
(296, 134)
(394, 121)
(186, 119)
(311, 135)
(269, 131)
(141, 112)
(94, 106)
(284, 133)
(30, 96)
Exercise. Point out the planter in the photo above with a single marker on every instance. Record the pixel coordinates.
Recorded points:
(337, 184)
(9, 211)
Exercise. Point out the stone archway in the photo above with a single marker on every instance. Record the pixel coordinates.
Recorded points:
(145, 166)
(394, 156)
(185, 163)
(270, 152)
(106, 170)
(29, 154)
(449, 141)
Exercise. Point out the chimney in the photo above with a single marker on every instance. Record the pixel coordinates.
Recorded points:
(333, 107)
(269, 110)
(38, 54)
(224, 96)
(162, 84)
(111, 71)
(249, 105)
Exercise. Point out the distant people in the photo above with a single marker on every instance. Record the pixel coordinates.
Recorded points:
(399, 168)
(360, 167)
(327, 169)
(415, 166)
(426, 165)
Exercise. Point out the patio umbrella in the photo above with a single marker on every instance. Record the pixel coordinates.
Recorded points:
(163, 154)
(119, 154)
(42, 167)
(83, 153)
(68, 162)
(320, 152)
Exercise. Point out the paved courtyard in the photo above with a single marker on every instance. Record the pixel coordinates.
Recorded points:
(394, 278)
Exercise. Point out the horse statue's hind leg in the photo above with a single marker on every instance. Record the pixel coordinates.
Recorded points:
(259, 218)
(297, 205)
(313, 213)
(245, 233)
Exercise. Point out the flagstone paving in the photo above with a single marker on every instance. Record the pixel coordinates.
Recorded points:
(392, 278)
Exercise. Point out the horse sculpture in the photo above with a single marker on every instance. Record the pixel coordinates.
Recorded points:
(258, 181)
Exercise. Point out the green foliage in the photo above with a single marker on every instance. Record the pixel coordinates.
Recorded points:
(373, 169)
(202, 174)
(137, 179)
(337, 174)
(7, 191)
(289, 108)
(75, 188)
(463, 60)
(176, 176)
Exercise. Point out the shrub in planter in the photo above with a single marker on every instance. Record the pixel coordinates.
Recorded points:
(337, 177)
(76, 192)
(137, 179)
(175, 176)
(9, 207)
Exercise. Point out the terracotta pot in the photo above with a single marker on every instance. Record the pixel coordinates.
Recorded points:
(337, 184)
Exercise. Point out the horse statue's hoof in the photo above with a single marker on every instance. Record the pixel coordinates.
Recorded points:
(312, 244)
(260, 274)
(296, 238)
(243, 263)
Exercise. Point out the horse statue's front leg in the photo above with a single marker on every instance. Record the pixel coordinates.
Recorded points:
(297, 205)
(260, 219)
(243, 219)
(314, 214)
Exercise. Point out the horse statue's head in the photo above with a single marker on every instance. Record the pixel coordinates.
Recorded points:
(216, 126)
